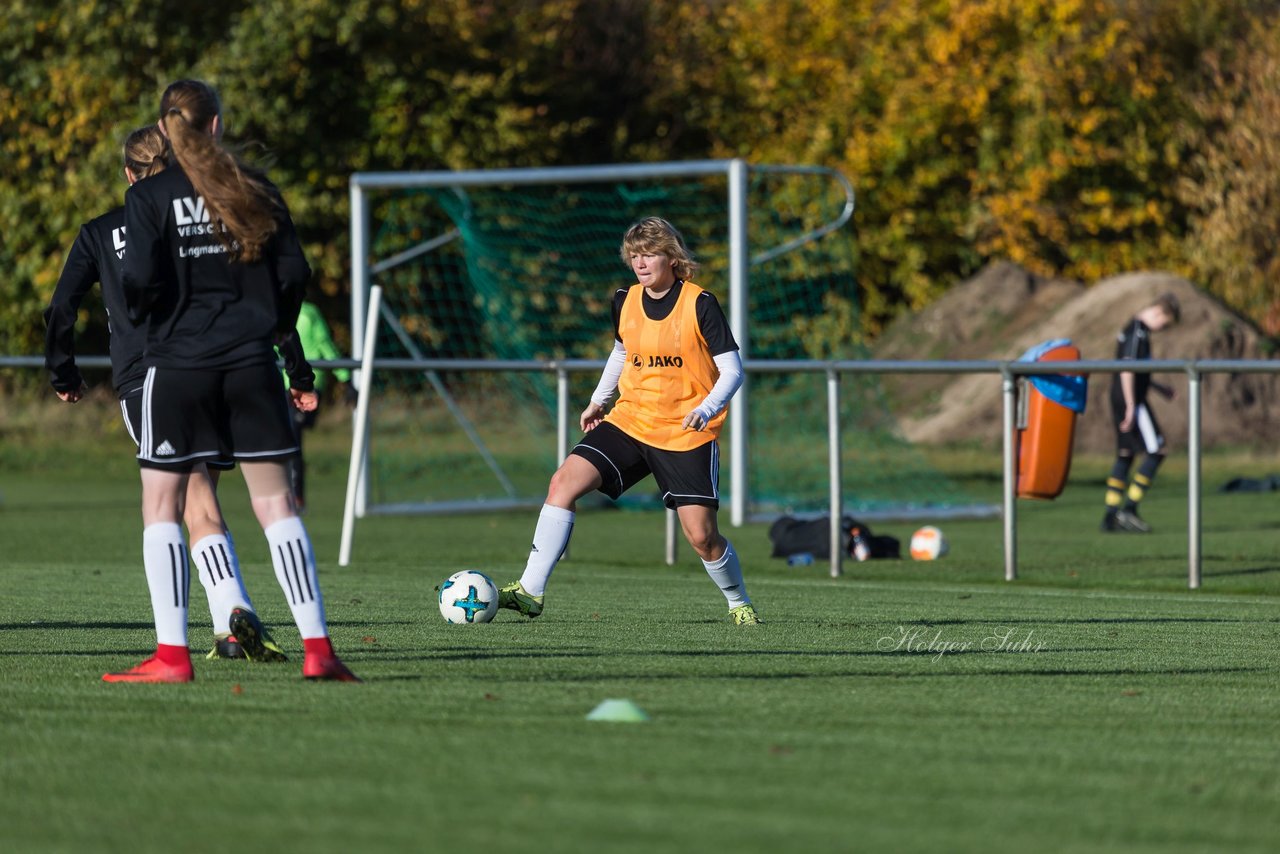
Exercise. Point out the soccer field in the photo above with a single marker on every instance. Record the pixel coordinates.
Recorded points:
(1095, 704)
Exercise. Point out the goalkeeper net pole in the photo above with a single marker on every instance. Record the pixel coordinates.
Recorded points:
(734, 170)
(359, 433)
(519, 266)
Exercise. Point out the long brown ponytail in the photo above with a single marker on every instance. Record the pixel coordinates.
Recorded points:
(234, 193)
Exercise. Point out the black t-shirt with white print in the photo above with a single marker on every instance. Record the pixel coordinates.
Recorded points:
(712, 323)
(200, 309)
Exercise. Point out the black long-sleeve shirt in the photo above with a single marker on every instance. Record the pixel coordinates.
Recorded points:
(95, 257)
(200, 309)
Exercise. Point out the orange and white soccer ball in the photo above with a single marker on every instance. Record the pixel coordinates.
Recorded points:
(928, 543)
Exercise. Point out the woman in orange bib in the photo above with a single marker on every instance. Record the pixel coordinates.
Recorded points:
(674, 365)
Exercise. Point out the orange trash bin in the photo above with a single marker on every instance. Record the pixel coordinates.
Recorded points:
(1049, 405)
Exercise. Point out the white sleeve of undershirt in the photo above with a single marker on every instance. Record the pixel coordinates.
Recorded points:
(730, 365)
(610, 376)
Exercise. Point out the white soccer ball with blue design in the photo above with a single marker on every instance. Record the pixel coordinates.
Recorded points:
(468, 597)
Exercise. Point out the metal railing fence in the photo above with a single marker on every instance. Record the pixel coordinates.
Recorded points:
(1007, 371)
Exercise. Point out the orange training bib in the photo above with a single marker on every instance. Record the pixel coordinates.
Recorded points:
(669, 372)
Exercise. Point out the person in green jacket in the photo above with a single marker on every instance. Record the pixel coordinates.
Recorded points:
(317, 344)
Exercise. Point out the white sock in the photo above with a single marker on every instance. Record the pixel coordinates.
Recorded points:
(219, 572)
(727, 574)
(295, 565)
(550, 538)
(164, 556)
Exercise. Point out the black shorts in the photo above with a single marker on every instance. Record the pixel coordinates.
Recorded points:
(191, 417)
(685, 477)
(131, 410)
(1143, 437)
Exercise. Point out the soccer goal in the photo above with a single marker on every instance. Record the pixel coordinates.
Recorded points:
(519, 266)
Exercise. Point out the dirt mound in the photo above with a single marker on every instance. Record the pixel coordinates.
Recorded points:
(1005, 310)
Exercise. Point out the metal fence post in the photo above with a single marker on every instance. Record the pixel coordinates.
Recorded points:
(1193, 478)
(1010, 389)
(562, 425)
(739, 284)
(835, 473)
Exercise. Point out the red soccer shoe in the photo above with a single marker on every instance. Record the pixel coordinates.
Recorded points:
(164, 666)
(328, 668)
(322, 663)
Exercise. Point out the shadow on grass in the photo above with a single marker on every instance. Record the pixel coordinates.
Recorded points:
(1231, 528)
(43, 626)
(483, 655)
(104, 653)
(491, 655)
(65, 624)
(923, 652)
(1067, 621)
(937, 671)
(1260, 570)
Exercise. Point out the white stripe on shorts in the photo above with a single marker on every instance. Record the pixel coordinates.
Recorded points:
(714, 474)
(144, 439)
(621, 483)
(1147, 429)
(128, 425)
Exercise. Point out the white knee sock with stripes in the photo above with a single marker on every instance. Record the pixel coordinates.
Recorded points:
(295, 566)
(164, 556)
(219, 572)
(550, 537)
(727, 574)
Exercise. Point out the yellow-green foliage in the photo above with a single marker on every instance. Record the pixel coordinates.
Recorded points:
(1044, 131)
(1077, 137)
(1234, 192)
(325, 87)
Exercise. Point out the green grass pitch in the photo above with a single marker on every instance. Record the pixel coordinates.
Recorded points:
(1095, 704)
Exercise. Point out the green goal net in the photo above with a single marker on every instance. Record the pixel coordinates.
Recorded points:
(526, 272)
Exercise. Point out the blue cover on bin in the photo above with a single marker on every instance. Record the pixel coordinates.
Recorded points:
(1071, 392)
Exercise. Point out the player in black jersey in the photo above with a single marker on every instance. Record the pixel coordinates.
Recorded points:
(97, 256)
(214, 275)
(1137, 431)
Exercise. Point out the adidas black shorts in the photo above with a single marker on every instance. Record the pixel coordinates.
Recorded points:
(1145, 435)
(131, 410)
(684, 477)
(189, 417)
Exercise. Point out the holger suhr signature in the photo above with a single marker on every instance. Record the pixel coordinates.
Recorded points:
(924, 640)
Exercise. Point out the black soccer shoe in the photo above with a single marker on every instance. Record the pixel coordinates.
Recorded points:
(1129, 520)
(1109, 525)
(227, 647)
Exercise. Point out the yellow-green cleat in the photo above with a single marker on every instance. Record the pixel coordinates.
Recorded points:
(745, 615)
(255, 640)
(513, 596)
